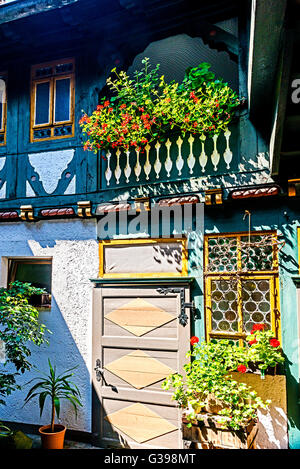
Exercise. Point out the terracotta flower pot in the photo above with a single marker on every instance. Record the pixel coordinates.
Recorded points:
(52, 440)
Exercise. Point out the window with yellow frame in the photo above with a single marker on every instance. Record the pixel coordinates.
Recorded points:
(143, 258)
(52, 100)
(3, 84)
(241, 284)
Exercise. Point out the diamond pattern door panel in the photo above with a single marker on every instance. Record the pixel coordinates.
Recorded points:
(139, 369)
(139, 316)
(139, 342)
(140, 423)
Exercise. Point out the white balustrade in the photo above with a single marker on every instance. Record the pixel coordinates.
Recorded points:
(169, 160)
(118, 171)
(137, 168)
(227, 153)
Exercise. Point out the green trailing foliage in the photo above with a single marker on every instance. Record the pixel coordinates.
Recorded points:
(146, 108)
(207, 376)
(264, 350)
(19, 326)
(56, 387)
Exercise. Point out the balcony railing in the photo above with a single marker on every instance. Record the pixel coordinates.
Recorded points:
(177, 158)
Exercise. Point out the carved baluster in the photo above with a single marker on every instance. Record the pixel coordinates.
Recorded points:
(191, 159)
(215, 156)
(108, 172)
(227, 153)
(127, 170)
(137, 168)
(147, 165)
(157, 164)
(180, 160)
(203, 156)
(118, 170)
(168, 162)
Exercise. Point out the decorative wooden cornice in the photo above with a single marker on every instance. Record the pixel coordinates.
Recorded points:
(8, 215)
(84, 209)
(186, 199)
(255, 192)
(26, 213)
(293, 187)
(22, 9)
(213, 196)
(142, 203)
(57, 212)
(112, 207)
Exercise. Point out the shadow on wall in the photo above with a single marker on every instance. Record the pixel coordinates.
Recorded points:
(64, 353)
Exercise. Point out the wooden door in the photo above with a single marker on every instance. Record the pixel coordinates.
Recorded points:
(137, 341)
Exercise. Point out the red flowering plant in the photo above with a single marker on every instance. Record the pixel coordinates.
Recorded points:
(201, 104)
(144, 108)
(206, 386)
(264, 349)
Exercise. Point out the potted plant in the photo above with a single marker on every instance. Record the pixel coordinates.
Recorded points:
(144, 108)
(264, 352)
(212, 401)
(56, 387)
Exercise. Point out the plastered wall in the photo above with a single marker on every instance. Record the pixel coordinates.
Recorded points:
(73, 248)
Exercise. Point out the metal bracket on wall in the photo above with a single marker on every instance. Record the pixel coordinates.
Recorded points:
(183, 318)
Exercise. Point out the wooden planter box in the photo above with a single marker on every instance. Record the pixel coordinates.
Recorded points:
(208, 434)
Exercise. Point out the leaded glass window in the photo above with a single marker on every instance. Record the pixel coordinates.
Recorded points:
(241, 276)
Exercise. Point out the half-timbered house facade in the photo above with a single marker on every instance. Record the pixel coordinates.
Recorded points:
(126, 284)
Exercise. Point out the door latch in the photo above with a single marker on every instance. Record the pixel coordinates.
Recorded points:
(100, 375)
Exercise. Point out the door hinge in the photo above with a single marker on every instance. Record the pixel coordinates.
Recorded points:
(183, 318)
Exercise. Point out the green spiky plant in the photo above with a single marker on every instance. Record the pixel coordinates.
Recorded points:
(57, 387)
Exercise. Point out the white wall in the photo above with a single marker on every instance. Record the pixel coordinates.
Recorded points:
(75, 260)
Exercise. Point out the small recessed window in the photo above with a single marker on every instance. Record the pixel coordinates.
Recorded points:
(52, 100)
(35, 271)
(3, 82)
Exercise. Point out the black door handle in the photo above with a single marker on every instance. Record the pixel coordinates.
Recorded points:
(100, 375)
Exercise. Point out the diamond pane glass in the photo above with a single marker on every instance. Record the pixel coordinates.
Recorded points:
(222, 254)
(224, 303)
(256, 303)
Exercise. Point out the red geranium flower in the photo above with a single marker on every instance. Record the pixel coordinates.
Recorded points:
(251, 342)
(242, 369)
(274, 342)
(194, 340)
(257, 327)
